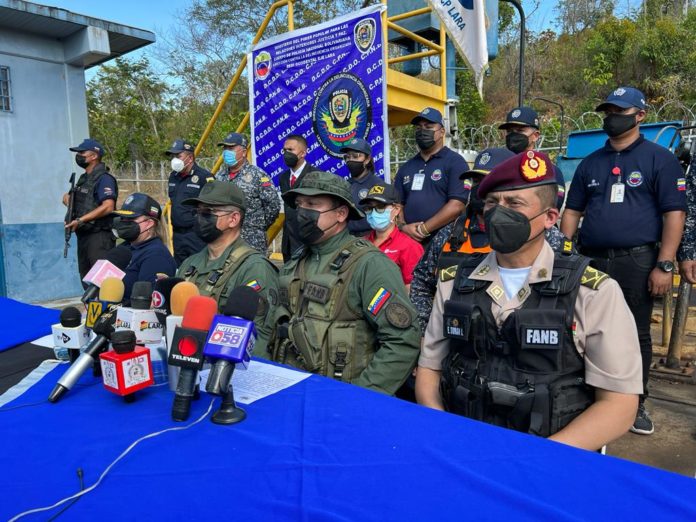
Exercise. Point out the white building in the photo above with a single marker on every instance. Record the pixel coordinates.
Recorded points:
(44, 52)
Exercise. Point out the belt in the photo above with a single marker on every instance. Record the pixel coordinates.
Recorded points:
(609, 253)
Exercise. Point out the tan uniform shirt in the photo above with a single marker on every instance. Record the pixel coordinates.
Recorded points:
(605, 331)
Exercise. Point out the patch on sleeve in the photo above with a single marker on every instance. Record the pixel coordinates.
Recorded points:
(379, 300)
(265, 181)
(107, 191)
(448, 273)
(681, 184)
(254, 285)
(592, 278)
(398, 315)
(468, 183)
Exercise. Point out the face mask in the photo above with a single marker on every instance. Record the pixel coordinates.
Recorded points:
(229, 157)
(206, 228)
(290, 159)
(81, 161)
(355, 168)
(616, 124)
(379, 221)
(508, 230)
(307, 225)
(178, 165)
(425, 138)
(126, 230)
(516, 142)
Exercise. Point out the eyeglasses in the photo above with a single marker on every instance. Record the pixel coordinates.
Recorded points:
(381, 210)
(209, 211)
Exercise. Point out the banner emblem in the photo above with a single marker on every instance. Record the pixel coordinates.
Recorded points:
(262, 65)
(364, 34)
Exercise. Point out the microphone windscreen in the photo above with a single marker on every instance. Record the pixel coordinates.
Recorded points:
(141, 295)
(112, 290)
(123, 341)
(199, 313)
(70, 317)
(119, 256)
(104, 325)
(162, 293)
(243, 302)
(181, 294)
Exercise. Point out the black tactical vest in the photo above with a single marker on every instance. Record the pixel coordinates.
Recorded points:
(86, 202)
(527, 375)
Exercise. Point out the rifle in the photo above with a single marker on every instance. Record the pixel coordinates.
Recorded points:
(69, 214)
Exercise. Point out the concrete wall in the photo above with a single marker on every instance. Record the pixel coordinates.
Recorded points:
(49, 116)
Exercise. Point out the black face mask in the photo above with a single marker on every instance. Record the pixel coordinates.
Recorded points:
(307, 227)
(616, 124)
(516, 142)
(355, 168)
(290, 159)
(425, 138)
(126, 229)
(81, 160)
(206, 228)
(508, 230)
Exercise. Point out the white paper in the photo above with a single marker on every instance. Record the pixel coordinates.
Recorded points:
(259, 380)
(46, 341)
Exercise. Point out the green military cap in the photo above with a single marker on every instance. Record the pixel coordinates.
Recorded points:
(218, 193)
(319, 183)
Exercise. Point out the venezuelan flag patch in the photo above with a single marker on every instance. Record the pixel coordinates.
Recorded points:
(254, 285)
(378, 301)
(681, 184)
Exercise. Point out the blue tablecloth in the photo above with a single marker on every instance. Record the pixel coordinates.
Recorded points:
(320, 450)
(20, 322)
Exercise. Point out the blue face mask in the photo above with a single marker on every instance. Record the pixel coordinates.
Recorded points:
(229, 157)
(379, 221)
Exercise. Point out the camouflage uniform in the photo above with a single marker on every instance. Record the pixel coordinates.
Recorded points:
(424, 281)
(262, 202)
(687, 249)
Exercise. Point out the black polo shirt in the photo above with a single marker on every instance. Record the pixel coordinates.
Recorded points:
(653, 184)
(184, 186)
(426, 186)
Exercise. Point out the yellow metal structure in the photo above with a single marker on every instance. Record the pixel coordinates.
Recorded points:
(406, 95)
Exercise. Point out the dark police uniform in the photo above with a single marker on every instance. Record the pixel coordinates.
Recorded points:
(150, 260)
(359, 189)
(94, 239)
(426, 186)
(622, 236)
(186, 242)
(290, 243)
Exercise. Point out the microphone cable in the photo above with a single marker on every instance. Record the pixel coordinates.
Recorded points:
(113, 463)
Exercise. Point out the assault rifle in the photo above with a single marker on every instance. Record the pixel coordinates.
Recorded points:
(69, 214)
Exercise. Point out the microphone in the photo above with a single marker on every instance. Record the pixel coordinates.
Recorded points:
(103, 329)
(231, 342)
(186, 350)
(69, 335)
(110, 295)
(161, 297)
(116, 261)
(180, 296)
(138, 317)
(127, 368)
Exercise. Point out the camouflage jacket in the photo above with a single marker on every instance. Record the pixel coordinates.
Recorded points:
(262, 202)
(687, 249)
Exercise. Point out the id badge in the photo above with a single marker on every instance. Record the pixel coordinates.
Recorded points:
(418, 181)
(617, 193)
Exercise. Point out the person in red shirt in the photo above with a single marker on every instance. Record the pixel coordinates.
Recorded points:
(382, 207)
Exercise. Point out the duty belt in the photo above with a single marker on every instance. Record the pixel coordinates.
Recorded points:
(610, 253)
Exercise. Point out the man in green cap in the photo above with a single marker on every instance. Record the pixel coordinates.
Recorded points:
(344, 311)
(228, 261)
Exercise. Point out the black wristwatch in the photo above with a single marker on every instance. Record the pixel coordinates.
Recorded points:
(665, 266)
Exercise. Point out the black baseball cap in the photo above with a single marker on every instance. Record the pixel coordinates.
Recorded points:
(234, 138)
(382, 193)
(89, 144)
(428, 114)
(358, 145)
(525, 116)
(178, 146)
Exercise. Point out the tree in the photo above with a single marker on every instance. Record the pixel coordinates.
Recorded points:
(576, 15)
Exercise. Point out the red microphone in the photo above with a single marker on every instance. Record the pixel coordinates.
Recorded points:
(186, 350)
(128, 367)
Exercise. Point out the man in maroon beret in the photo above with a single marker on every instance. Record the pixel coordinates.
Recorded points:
(526, 338)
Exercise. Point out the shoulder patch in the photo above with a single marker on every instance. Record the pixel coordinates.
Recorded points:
(448, 273)
(593, 278)
(398, 315)
(378, 300)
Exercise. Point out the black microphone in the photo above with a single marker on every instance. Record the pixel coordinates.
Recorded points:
(141, 295)
(161, 297)
(70, 335)
(103, 329)
(231, 342)
(115, 261)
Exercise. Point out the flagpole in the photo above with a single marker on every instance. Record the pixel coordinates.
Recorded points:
(523, 38)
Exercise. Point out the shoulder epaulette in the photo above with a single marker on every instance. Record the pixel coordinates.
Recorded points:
(593, 278)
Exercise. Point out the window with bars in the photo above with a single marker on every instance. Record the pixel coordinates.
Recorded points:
(5, 96)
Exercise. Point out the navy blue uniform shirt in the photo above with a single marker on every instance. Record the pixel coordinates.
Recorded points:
(150, 258)
(105, 189)
(359, 189)
(440, 183)
(184, 187)
(653, 184)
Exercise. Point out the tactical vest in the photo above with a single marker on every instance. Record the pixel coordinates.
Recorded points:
(213, 283)
(456, 247)
(325, 335)
(85, 201)
(527, 375)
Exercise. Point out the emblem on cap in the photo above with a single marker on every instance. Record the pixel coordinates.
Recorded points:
(128, 200)
(533, 166)
(620, 91)
(516, 113)
(377, 189)
(485, 158)
(174, 144)
(426, 110)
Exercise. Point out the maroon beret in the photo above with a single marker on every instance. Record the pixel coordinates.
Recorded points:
(526, 169)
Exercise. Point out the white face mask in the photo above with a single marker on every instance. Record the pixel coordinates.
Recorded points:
(178, 165)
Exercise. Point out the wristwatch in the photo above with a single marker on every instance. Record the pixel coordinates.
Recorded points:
(665, 266)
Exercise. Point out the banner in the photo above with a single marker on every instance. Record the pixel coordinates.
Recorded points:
(465, 22)
(327, 83)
